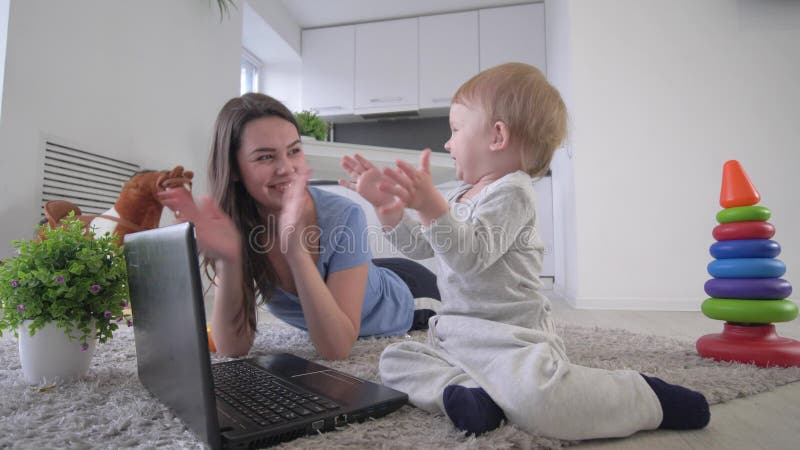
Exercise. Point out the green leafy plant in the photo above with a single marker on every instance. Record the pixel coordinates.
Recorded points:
(69, 277)
(312, 125)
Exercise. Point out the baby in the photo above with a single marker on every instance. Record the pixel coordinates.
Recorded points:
(492, 352)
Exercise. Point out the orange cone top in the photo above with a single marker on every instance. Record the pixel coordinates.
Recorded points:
(737, 190)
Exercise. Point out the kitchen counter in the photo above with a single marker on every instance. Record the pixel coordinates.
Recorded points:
(324, 157)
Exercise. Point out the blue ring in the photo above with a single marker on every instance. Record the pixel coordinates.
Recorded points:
(747, 268)
(745, 248)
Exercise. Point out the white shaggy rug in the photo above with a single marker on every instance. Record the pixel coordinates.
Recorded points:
(111, 409)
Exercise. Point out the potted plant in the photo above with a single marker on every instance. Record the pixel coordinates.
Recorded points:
(311, 125)
(59, 295)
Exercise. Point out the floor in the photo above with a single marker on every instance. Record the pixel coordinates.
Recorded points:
(769, 421)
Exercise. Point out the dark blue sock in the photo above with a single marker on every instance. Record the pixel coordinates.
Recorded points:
(683, 409)
(471, 409)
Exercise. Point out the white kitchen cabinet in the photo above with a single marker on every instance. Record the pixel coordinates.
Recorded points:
(448, 56)
(386, 74)
(513, 33)
(328, 70)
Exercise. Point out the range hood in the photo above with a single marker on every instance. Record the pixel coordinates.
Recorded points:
(390, 115)
(368, 116)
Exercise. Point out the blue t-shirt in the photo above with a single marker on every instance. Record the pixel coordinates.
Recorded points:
(343, 244)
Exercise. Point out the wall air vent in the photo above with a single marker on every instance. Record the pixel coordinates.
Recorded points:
(87, 179)
(391, 115)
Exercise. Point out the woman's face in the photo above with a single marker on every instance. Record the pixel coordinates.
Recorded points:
(269, 155)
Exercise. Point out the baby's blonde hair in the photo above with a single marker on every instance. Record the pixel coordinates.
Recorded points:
(519, 95)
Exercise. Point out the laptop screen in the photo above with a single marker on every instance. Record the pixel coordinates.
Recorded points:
(169, 324)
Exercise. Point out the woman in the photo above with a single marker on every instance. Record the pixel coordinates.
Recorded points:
(302, 250)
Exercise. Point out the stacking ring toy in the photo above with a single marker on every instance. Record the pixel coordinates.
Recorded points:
(749, 288)
(743, 230)
(748, 311)
(745, 248)
(743, 214)
(750, 344)
(747, 268)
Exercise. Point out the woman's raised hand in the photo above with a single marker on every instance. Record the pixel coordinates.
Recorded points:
(217, 235)
(292, 221)
(180, 201)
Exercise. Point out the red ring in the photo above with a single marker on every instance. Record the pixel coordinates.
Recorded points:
(743, 230)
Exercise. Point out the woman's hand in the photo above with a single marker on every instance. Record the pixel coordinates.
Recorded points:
(414, 189)
(293, 229)
(180, 201)
(217, 235)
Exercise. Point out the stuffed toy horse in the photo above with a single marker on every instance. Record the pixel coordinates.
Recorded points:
(137, 208)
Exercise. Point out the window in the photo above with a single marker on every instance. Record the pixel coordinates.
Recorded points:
(251, 66)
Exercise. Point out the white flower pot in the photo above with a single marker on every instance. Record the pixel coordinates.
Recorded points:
(50, 356)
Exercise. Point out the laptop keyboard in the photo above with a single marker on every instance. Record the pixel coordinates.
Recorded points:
(263, 398)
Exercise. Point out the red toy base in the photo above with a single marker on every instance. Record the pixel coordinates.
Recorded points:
(750, 344)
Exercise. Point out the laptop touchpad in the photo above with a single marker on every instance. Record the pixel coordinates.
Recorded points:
(337, 386)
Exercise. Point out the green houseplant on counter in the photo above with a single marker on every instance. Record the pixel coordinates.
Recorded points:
(61, 293)
(312, 125)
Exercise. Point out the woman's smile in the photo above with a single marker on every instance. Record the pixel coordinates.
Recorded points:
(280, 187)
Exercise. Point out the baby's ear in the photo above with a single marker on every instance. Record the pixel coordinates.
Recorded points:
(500, 136)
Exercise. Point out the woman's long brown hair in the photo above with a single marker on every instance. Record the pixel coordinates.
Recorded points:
(259, 278)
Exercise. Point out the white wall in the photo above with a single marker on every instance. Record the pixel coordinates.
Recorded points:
(4, 6)
(140, 80)
(559, 69)
(661, 94)
(284, 82)
(280, 20)
(272, 35)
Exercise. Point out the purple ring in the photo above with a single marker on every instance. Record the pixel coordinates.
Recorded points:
(749, 288)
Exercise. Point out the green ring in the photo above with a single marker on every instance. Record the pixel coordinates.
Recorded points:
(744, 214)
(749, 311)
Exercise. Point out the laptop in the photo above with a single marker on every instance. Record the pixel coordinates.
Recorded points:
(253, 402)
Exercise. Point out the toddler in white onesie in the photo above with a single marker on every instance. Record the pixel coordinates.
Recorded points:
(492, 353)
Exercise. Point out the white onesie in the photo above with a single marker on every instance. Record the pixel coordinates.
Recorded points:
(494, 329)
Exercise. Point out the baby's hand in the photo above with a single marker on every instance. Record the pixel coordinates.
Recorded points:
(365, 179)
(415, 189)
